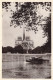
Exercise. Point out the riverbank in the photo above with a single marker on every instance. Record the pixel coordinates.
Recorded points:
(15, 57)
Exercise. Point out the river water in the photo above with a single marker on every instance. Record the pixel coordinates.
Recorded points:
(17, 67)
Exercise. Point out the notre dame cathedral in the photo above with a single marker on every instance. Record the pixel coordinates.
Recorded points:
(25, 42)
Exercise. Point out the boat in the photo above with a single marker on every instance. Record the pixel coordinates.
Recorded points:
(36, 60)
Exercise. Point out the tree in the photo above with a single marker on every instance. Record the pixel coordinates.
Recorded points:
(18, 49)
(28, 15)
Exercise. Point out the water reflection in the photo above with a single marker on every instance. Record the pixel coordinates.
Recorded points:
(23, 69)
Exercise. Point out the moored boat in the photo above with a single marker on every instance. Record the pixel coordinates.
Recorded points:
(36, 60)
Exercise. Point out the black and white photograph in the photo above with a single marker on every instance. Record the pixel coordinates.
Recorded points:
(26, 40)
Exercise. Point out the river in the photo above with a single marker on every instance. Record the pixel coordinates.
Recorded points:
(15, 66)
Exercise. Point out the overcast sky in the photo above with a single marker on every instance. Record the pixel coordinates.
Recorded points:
(10, 34)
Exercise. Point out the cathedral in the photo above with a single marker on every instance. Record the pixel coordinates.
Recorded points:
(25, 42)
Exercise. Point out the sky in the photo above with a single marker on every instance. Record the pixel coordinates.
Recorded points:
(10, 34)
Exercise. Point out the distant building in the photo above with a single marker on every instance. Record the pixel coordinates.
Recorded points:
(26, 43)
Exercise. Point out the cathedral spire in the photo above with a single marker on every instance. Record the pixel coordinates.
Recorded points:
(23, 33)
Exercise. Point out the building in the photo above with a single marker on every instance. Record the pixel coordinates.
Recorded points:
(25, 42)
(18, 41)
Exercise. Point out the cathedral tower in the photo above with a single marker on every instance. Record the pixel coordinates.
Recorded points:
(23, 33)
